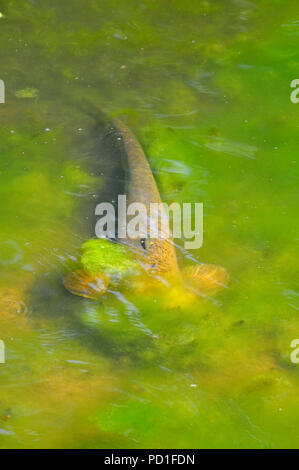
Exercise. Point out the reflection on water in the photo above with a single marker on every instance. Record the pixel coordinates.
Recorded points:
(200, 84)
(232, 148)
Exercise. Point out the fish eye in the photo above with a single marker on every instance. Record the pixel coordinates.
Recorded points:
(142, 243)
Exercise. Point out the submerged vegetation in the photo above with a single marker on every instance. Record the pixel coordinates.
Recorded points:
(110, 258)
(206, 88)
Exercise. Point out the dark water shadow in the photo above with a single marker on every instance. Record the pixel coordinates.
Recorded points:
(49, 300)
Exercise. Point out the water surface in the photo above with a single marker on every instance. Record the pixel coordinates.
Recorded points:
(206, 85)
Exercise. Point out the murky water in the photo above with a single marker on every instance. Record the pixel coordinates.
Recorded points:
(207, 88)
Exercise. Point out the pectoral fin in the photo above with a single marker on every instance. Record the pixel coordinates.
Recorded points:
(205, 278)
(82, 283)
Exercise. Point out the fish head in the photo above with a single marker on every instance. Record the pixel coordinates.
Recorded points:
(157, 255)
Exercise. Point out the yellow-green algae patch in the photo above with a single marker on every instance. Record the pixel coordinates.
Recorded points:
(27, 93)
(101, 255)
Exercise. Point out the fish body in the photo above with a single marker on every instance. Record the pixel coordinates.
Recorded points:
(156, 254)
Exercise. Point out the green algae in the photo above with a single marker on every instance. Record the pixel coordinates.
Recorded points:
(27, 93)
(141, 417)
(104, 256)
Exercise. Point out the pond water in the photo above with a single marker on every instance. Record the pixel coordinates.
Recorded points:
(206, 86)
